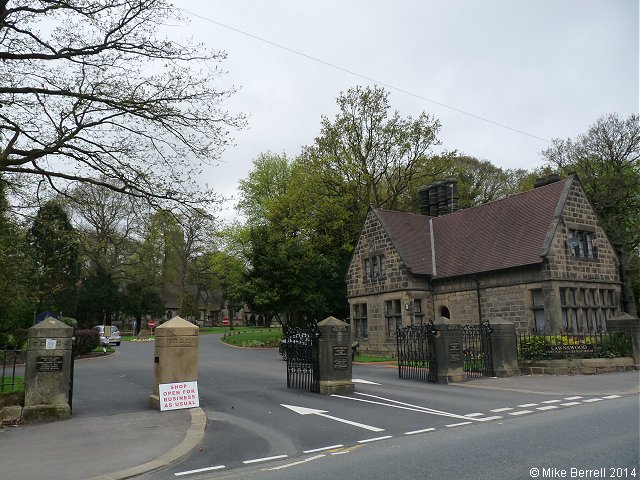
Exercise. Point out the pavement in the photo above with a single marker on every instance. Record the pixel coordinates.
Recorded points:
(114, 447)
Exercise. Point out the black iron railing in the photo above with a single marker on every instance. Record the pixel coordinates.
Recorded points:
(476, 345)
(532, 346)
(10, 380)
(416, 352)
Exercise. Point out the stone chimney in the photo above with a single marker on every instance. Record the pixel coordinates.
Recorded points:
(549, 179)
(439, 198)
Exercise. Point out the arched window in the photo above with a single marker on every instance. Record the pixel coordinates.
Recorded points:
(444, 312)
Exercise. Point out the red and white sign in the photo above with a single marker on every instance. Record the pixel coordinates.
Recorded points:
(174, 396)
(225, 321)
(152, 324)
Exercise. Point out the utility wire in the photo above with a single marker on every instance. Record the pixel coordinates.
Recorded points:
(351, 72)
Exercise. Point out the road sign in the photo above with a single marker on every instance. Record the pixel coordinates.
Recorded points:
(225, 321)
(323, 413)
(152, 324)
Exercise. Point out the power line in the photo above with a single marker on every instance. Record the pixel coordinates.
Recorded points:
(356, 74)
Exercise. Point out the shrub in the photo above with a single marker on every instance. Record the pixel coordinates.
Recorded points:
(72, 322)
(86, 341)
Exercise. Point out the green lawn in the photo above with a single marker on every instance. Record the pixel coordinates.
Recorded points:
(371, 359)
(258, 337)
(18, 385)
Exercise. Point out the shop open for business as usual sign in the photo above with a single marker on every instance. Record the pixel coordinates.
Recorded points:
(174, 396)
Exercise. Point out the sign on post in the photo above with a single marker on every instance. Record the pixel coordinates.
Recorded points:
(225, 321)
(174, 396)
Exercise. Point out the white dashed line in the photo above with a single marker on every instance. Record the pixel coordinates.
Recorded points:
(527, 405)
(548, 407)
(590, 400)
(474, 415)
(551, 401)
(573, 398)
(375, 439)
(521, 412)
(265, 459)
(498, 410)
(296, 463)
(199, 470)
(366, 382)
(425, 430)
(570, 404)
(486, 419)
(610, 397)
(322, 449)
(457, 424)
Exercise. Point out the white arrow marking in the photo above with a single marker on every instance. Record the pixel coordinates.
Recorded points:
(367, 382)
(323, 413)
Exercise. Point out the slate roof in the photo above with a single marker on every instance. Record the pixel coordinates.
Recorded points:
(504, 234)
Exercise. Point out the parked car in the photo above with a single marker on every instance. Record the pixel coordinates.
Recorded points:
(115, 338)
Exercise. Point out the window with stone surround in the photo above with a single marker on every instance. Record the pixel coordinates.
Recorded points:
(537, 302)
(586, 309)
(360, 323)
(418, 314)
(581, 244)
(393, 315)
(375, 268)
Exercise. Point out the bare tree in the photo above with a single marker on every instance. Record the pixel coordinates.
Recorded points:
(90, 92)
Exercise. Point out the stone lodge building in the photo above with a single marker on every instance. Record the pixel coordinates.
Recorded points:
(539, 259)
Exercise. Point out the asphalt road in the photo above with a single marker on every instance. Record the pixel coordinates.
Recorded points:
(390, 428)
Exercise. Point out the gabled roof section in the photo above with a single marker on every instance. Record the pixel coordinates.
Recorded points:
(507, 233)
(409, 233)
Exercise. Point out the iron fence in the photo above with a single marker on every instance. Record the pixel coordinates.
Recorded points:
(478, 356)
(532, 346)
(302, 356)
(12, 361)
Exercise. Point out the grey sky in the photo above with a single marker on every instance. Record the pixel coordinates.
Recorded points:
(546, 67)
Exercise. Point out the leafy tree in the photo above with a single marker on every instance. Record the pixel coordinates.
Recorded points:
(92, 93)
(141, 299)
(54, 245)
(607, 160)
(99, 299)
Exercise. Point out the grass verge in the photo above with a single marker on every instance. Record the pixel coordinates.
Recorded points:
(259, 337)
(372, 359)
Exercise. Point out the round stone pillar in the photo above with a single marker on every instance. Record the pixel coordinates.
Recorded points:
(175, 355)
(48, 372)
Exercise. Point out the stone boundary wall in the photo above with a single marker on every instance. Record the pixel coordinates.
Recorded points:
(576, 366)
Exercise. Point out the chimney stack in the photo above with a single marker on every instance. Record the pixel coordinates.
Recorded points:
(439, 198)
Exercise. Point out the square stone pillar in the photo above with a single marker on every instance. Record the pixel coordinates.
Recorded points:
(334, 350)
(504, 348)
(48, 372)
(630, 325)
(449, 351)
(175, 357)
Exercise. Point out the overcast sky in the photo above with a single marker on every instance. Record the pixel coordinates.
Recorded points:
(548, 68)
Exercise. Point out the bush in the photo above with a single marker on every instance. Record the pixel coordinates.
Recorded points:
(72, 322)
(86, 341)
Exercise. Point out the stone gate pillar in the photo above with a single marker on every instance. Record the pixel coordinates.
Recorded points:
(335, 365)
(449, 351)
(48, 372)
(504, 348)
(175, 355)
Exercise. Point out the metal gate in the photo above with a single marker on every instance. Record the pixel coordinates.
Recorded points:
(301, 353)
(416, 352)
(71, 371)
(476, 343)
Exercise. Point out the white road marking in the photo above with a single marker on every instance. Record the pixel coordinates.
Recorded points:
(322, 449)
(323, 413)
(570, 404)
(590, 400)
(296, 463)
(521, 412)
(199, 470)
(457, 424)
(265, 459)
(375, 439)
(424, 430)
(548, 407)
(551, 401)
(477, 414)
(527, 405)
(486, 419)
(609, 397)
(498, 410)
(578, 397)
(367, 382)
(401, 405)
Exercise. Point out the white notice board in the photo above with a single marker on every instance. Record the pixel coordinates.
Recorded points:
(174, 396)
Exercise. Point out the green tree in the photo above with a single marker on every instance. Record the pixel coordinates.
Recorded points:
(54, 245)
(91, 92)
(607, 160)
